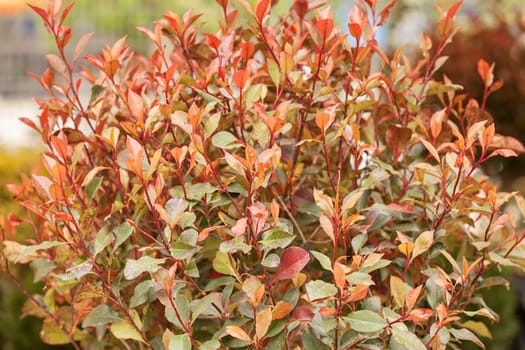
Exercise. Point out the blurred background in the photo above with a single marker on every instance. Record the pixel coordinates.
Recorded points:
(492, 29)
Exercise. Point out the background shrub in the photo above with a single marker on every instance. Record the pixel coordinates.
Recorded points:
(273, 185)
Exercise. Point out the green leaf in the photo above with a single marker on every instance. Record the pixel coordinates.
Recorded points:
(271, 260)
(176, 342)
(356, 278)
(276, 238)
(96, 90)
(235, 245)
(465, 334)
(398, 289)
(495, 257)
(325, 261)
(93, 187)
(79, 271)
(320, 289)
(183, 308)
(135, 268)
(211, 124)
(213, 344)
(124, 330)
(41, 267)
(273, 70)
(186, 220)
(311, 342)
(223, 264)
(174, 207)
(31, 250)
(359, 241)
(51, 334)
(478, 327)
(484, 312)
(216, 283)
(366, 321)
(407, 339)
(225, 140)
(100, 316)
(141, 294)
(182, 251)
(200, 305)
(198, 190)
(423, 243)
(122, 232)
(103, 239)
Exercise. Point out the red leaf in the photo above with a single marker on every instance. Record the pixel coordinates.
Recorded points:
(293, 260)
(302, 313)
(63, 216)
(385, 12)
(40, 11)
(13, 219)
(29, 123)
(241, 77)
(136, 105)
(355, 30)
(503, 152)
(213, 41)
(66, 11)
(301, 8)
(325, 27)
(261, 9)
(451, 13)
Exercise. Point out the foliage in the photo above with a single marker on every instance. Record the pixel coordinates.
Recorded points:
(271, 186)
(11, 164)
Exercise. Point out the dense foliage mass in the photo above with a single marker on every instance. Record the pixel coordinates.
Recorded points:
(278, 184)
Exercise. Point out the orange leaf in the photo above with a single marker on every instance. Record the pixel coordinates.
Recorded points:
(326, 311)
(323, 121)
(436, 122)
(412, 297)
(264, 319)
(274, 207)
(359, 293)
(327, 226)
(485, 71)
(339, 275)
(281, 310)
(420, 315)
(238, 332)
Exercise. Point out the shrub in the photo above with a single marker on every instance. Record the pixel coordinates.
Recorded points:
(13, 162)
(273, 185)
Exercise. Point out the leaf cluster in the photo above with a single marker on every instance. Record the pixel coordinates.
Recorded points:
(278, 184)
